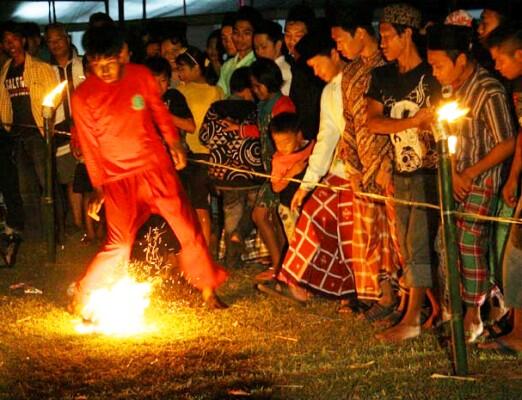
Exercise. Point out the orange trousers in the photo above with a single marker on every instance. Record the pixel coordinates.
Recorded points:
(128, 204)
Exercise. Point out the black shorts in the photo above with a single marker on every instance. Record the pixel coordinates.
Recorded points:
(196, 182)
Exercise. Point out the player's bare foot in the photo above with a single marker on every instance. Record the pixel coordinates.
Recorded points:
(399, 333)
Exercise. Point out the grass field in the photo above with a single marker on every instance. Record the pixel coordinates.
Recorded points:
(259, 348)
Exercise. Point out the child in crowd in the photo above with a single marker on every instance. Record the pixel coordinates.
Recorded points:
(183, 120)
(266, 80)
(170, 49)
(229, 150)
(289, 161)
(172, 98)
(199, 96)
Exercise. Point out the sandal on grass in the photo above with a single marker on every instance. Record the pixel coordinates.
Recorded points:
(498, 328)
(499, 345)
(267, 275)
(378, 312)
(391, 320)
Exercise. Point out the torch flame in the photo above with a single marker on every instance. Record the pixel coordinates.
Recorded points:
(451, 111)
(117, 310)
(51, 99)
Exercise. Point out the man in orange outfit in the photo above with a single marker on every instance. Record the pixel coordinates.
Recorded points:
(117, 112)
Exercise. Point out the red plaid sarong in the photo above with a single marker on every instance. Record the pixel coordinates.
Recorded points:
(342, 244)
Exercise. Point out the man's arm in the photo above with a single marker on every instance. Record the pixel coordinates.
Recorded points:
(323, 151)
(498, 119)
(187, 124)
(379, 124)
(462, 182)
(85, 129)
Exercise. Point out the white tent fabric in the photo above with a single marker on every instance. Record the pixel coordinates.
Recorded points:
(70, 12)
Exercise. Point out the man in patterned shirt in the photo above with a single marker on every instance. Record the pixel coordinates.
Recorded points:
(367, 159)
(485, 141)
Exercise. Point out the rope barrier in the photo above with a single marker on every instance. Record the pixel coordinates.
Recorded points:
(65, 133)
(373, 196)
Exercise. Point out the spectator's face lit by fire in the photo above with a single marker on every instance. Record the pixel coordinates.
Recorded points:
(260, 90)
(228, 43)
(242, 36)
(349, 46)
(508, 61)
(187, 73)
(286, 142)
(392, 44)
(58, 43)
(325, 67)
(264, 47)
(489, 20)
(170, 51)
(445, 70)
(153, 49)
(108, 69)
(294, 32)
(163, 83)
(13, 44)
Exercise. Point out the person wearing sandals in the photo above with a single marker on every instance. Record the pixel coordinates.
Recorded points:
(505, 45)
(368, 161)
(399, 97)
(485, 141)
(315, 260)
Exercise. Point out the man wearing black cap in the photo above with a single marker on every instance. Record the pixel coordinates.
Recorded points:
(485, 140)
(399, 98)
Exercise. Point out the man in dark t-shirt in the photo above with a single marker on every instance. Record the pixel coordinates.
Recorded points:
(24, 81)
(399, 98)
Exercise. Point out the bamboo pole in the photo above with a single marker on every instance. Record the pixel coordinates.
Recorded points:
(48, 195)
(450, 253)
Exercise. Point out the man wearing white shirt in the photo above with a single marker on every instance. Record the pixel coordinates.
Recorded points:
(268, 43)
(68, 67)
(319, 253)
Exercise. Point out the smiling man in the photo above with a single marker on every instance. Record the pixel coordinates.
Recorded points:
(116, 112)
(24, 82)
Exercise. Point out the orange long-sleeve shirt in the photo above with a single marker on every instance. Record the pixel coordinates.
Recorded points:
(116, 125)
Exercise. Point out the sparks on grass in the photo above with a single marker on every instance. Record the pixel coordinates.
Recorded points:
(118, 310)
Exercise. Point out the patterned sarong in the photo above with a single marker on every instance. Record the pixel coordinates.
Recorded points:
(473, 237)
(317, 256)
(341, 244)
